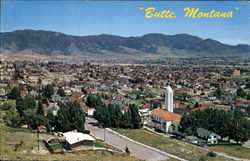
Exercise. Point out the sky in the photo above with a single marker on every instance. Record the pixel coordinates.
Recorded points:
(124, 18)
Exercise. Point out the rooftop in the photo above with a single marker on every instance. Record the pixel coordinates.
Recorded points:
(73, 137)
(166, 115)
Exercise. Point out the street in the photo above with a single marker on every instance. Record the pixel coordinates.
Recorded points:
(136, 150)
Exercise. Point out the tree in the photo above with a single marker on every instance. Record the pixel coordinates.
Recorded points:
(196, 105)
(240, 92)
(70, 117)
(48, 90)
(61, 92)
(218, 93)
(14, 93)
(126, 120)
(94, 101)
(111, 116)
(12, 118)
(39, 81)
(40, 110)
(117, 117)
(34, 120)
(135, 117)
(127, 150)
(248, 85)
(240, 131)
(84, 90)
(248, 110)
(8, 104)
(22, 104)
(50, 118)
(29, 88)
(248, 96)
(225, 123)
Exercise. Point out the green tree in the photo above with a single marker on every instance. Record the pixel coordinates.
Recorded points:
(225, 123)
(12, 118)
(14, 93)
(135, 117)
(29, 88)
(248, 96)
(218, 93)
(94, 101)
(8, 104)
(39, 81)
(48, 90)
(248, 85)
(22, 104)
(40, 110)
(50, 118)
(240, 131)
(84, 90)
(196, 105)
(241, 93)
(61, 92)
(117, 117)
(248, 110)
(70, 117)
(34, 120)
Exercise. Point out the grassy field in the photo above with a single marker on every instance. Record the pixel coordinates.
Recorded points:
(21, 144)
(232, 149)
(175, 147)
(244, 77)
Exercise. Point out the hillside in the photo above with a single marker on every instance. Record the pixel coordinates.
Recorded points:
(10, 137)
(49, 43)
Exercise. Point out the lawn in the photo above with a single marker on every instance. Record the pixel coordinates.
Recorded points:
(175, 147)
(220, 107)
(102, 144)
(56, 146)
(244, 77)
(21, 144)
(232, 149)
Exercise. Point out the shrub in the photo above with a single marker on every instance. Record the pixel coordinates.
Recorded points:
(127, 150)
(211, 154)
(86, 131)
(203, 158)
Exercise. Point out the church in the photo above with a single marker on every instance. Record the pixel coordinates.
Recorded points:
(164, 119)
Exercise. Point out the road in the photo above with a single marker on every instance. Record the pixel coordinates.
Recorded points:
(136, 150)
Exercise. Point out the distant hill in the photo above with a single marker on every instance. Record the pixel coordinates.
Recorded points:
(49, 43)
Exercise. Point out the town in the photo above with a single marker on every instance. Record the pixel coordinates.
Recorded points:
(177, 106)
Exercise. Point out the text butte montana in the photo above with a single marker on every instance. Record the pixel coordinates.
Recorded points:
(151, 12)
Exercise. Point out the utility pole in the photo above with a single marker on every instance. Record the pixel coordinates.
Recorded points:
(104, 133)
(38, 139)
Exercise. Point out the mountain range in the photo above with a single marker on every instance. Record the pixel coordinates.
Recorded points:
(49, 43)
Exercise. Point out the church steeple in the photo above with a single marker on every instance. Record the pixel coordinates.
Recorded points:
(169, 101)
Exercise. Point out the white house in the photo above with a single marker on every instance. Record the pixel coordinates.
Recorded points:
(208, 136)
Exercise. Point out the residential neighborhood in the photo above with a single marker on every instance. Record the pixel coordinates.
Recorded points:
(45, 96)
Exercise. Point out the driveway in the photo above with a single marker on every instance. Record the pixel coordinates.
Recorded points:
(136, 150)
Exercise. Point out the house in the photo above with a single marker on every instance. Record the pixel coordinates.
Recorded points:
(208, 136)
(90, 111)
(78, 141)
(42, 129)
(234, 73)
(165, 121)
